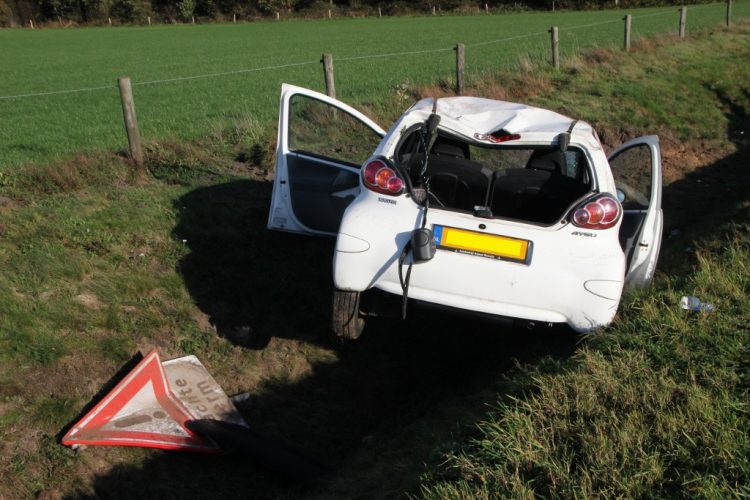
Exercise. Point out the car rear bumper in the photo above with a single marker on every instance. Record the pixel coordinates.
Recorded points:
(569, 278)
(543, 297)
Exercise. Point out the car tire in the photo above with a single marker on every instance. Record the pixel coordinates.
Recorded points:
(346, 321)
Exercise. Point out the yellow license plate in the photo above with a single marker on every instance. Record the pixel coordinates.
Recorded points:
(481, 244)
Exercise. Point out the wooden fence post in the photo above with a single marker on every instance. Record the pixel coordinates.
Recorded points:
(31, 23)
(380, 12)
(327, 61)
(433, 10)
(192, 19)
(278, 16)
(460, 59)
(329, 13)
(131, 123)
(486, 8)
(683, 19)
(109, 19)
(628, 21)
(149, 20)
(555, 47)
(234, 18)
(729, 12)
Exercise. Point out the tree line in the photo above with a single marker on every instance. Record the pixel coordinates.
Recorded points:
(20, 12)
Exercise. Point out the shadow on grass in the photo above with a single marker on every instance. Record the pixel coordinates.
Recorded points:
(375, 414)
(696, 205)
(373, 417)
(378, 413)
(253, 284)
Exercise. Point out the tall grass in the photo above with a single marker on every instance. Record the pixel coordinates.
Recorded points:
(655, 406)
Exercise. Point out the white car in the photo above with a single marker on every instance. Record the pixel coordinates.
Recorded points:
(472, 204)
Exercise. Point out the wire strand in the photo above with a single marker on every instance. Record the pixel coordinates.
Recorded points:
(342, 59)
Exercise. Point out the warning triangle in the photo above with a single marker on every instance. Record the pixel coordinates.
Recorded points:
(140, 411)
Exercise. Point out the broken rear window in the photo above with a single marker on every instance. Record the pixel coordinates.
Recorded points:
(529, 184)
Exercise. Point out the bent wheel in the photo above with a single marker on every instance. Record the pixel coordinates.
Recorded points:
(346, 321)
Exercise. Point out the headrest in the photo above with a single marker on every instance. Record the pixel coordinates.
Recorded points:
(449, 147)
(549, 161)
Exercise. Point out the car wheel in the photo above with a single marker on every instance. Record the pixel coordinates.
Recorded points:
(346, 321)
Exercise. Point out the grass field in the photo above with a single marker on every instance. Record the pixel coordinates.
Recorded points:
(101, 260)
(52, 127)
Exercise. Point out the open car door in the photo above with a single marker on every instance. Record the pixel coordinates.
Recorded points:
(636, 166)
(321, 146)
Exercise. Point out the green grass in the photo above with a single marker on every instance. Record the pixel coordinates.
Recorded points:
(655, 406)
(101, 260)
(53, 127)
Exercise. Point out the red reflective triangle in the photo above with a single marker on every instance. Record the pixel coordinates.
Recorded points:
(140, 411)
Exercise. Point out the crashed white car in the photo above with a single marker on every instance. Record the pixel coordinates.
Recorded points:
(472, 204)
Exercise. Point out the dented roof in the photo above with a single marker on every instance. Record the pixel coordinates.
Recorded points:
(484, 116)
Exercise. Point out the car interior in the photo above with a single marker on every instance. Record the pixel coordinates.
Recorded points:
(532, 185)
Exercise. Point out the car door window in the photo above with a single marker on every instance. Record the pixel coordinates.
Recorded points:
(321, 130)
(632, 169)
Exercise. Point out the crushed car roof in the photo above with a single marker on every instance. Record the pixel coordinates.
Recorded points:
(487, 116)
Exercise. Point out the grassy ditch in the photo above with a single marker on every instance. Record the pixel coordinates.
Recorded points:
(100, 260)
(655, 405)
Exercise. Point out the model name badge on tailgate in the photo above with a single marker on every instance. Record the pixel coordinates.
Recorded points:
(483, 245)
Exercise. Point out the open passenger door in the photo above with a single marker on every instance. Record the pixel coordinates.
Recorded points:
(321, 146)
(636, 166)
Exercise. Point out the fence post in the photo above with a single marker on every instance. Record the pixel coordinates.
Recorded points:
(555, 47)
(192, 18)
(31, 23)
(380, 12)
(459, 68)
(486, 8)
(278, 17)
(329, 13)
(433, 10)
(327, 61)
(729, 12)
(683, 19)
(109, 20)
(628, 21)
(149, 20)
(131, 123)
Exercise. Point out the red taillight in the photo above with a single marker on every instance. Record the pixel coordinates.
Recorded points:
(600, 213)
(380, 177)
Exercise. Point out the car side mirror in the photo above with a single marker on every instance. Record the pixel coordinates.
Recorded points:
(422, 244)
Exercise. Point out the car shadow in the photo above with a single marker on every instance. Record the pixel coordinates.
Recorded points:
(373, 416)
(377, 412)
(372, 411)
(254, 284)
